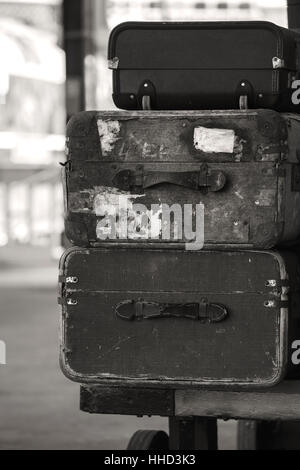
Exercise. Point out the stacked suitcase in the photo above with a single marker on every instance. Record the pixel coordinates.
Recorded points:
(147, 305)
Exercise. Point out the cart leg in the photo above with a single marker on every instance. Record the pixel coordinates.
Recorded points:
(248, 435)
(269, 435)
(193, 434)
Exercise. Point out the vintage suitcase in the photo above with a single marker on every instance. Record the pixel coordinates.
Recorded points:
(200, 65)
(239, 171)
(170, 318)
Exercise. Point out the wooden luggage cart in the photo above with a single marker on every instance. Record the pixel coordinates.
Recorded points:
(268, 419)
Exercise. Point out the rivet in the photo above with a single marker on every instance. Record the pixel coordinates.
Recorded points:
(269, 304)
(271, 283)
(72, 280)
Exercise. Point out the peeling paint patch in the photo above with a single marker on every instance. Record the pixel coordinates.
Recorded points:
(239, 148)
(126, 220)
(214, 140)
(109, 134)
(109, 200)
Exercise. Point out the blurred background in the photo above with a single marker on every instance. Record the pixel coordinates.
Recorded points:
(53, 63)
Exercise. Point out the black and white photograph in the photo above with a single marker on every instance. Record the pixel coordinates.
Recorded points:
(149, 227)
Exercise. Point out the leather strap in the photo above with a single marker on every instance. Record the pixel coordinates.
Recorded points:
(204, 179)
(204, 312)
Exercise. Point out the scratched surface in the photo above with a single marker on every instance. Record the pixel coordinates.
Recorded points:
(254, 150)
(247, 348)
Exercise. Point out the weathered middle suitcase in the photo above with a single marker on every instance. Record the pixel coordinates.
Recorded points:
(170, 318)
(242, 167)
(204, 65)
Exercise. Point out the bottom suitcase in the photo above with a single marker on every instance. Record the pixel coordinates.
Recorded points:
(170, 318)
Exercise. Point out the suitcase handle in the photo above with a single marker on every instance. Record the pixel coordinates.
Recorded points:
(204, 179)
(205, 312)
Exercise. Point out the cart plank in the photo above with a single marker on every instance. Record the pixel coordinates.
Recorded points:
(278, 403)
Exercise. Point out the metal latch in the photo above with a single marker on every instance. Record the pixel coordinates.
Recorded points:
(278, 63)
(113, 64)
(66, 299)
(279, 289)
(274, 303)
(63, 296)
(72, 280)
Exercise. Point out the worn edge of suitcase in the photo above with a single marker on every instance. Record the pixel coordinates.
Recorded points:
(279, 31)
(116, 381)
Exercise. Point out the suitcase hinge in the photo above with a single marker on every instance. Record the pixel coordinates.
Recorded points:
(277, 283)
(278, 63)
(274, 303)
(271, 152)
(64, 296)
(65, 299)
(279, 291)
(72, 280)
(113, 64)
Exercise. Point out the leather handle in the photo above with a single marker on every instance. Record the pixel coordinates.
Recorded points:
(204, 179)
(204, 311)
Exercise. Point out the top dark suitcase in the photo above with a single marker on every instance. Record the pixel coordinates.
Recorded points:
(199, 65)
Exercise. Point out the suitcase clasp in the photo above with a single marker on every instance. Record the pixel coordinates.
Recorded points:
(278, 63)
(113, 64)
